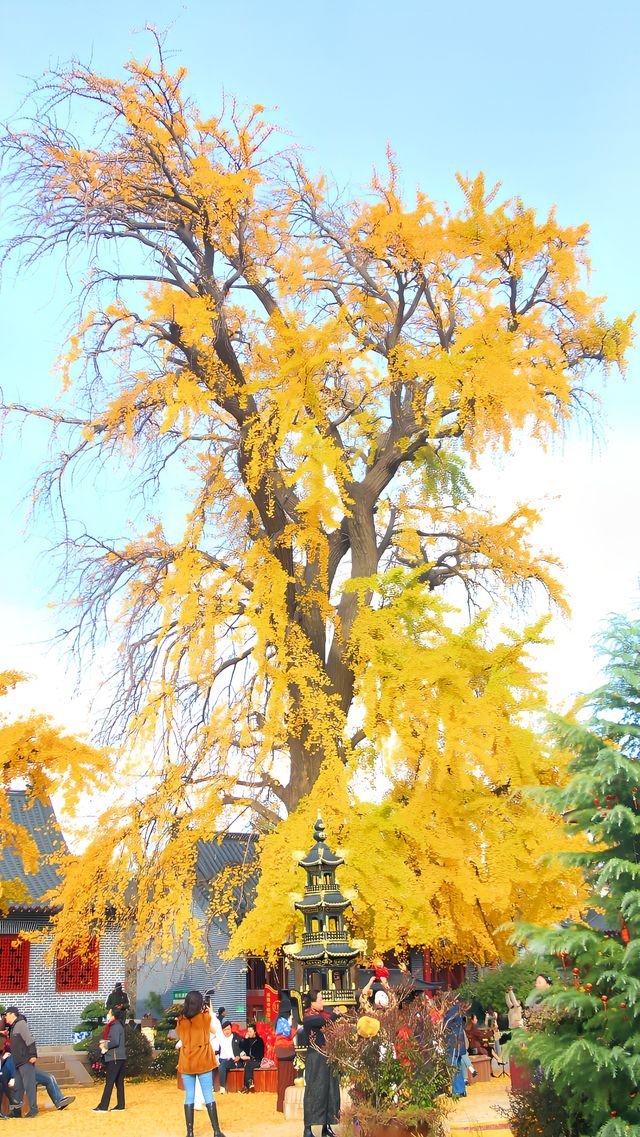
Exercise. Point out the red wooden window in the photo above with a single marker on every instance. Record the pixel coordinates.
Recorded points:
(14, 964)
(79, 971)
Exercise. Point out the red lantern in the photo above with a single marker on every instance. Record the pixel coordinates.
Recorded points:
(576, 972)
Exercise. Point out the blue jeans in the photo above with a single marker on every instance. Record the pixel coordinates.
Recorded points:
(50, 1085)
(225, 1065)
(206, 1085)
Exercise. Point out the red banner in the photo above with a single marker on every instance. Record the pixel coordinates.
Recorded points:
(270, 1003)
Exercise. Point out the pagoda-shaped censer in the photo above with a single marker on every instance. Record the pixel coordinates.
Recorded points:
(325, 959)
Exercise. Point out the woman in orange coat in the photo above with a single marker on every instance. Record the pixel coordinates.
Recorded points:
(197, 1059)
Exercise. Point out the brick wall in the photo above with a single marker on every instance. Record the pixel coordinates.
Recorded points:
(53, 1015)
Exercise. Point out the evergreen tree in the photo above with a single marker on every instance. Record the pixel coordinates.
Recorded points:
(586, 1035)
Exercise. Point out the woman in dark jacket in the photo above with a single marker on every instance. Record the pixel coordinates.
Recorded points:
(321, 1101)
(115, 1054)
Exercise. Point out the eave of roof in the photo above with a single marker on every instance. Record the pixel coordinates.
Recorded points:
(39, 821)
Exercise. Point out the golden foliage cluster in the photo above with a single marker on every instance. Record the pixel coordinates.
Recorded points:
(36, 755)
(312, 379)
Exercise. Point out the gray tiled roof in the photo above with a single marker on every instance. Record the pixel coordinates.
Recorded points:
(40, 822)
(228, 849)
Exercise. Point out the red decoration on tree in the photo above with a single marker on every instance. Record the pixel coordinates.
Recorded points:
(576, 972)
(625, 934)
(589, 986)
(604, 999)
(635, 798)
(564, 955)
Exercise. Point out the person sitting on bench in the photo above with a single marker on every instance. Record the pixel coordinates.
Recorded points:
(477, 1038)
(251, 1055)
(229, 1053)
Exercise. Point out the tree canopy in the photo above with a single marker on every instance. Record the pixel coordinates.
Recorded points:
(312, 378)
(36, 754)
(587, 1034)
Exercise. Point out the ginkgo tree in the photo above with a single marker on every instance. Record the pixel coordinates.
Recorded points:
(311, 380)
(37, 755)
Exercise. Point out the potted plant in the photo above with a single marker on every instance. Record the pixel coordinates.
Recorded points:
(393, 1061)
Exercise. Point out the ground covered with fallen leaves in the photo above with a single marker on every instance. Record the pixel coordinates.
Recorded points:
(155, 1109)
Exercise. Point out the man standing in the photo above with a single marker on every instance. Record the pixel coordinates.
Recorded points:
(25, 1056)
(118, 1002)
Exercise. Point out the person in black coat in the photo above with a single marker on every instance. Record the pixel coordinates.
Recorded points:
(251, 1055)
(321, 1085)
(118, 1002)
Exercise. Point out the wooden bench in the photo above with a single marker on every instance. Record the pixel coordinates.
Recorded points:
(482, 1066)
(5, 1105)
(265, 1079)
(235, 1081)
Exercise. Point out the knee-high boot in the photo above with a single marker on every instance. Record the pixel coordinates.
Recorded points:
(188, 1116)
(213, 1118)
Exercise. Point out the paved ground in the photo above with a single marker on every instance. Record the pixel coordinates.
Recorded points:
(479, 1113)
(154, 1109)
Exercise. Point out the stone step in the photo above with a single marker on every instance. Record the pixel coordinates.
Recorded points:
(69, 1068)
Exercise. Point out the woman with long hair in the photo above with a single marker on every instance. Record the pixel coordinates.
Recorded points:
(197, 1059)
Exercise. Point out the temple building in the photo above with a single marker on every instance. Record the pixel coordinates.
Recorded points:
(326, 958)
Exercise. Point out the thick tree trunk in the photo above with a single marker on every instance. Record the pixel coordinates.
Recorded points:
(364, 563)
(305, 767)
(306, 763)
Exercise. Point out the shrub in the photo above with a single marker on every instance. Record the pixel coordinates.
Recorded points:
(489, 990)
(539, 1112)
(153, 1004)
(92, 1016)
(395, 1060)
(139, 1052)
(164, 1063)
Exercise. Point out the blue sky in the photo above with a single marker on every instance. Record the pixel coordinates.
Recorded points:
(544, 99)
